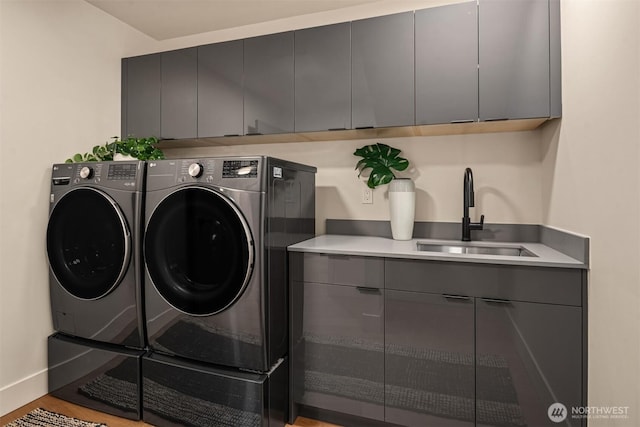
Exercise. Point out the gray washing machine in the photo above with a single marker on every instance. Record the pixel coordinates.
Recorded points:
(215, 252)
(93, 248)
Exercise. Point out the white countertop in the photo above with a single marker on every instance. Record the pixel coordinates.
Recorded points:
(389, 248)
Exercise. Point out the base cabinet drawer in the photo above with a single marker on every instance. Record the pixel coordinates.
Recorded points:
(337, 269)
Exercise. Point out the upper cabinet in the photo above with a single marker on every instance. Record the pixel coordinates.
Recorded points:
(514, 59)
(220, 97)
(141, 96)
(268, 84)
(447, 64)
(382, 66)
(492, 60)
(179, 94)
(323, 78)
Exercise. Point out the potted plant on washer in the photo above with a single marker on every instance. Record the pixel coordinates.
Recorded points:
(382, 160)
(126, 149)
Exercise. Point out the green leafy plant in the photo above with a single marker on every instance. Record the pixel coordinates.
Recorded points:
(140, 148)
(381, 159)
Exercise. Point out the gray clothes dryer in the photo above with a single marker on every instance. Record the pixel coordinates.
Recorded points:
(93, 248)
(215, 251)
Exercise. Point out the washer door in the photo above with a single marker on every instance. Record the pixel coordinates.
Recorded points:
(88, 243)
(199, 251)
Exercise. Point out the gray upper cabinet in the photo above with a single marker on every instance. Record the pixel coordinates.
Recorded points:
(323, 78)
(382, 79)
(220, 103)
(268, 84)
(514, 59)
(179, 94)
(463, 62)
(141, 96)
(447, 64)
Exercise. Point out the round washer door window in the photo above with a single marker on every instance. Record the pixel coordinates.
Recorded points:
(198, 250)
(88, 243)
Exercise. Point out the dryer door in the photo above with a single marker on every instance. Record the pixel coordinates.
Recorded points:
(88, 243)
(199, 251)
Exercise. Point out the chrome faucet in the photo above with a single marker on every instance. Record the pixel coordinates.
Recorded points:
(468, 201)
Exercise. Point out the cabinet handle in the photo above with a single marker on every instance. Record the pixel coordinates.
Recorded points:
(337, 129)
(495, 119)
(230, 134)
(456, 298)
(462, 121)
(254, 133)
(496, 301)
(334, 256)
(363, 127)
(367, 290)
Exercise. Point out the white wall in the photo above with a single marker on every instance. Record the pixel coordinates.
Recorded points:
(591, 165)
(506, 169)
(60, 95)
(60, 77)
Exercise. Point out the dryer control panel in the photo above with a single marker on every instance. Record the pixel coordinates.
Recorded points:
(240, 169)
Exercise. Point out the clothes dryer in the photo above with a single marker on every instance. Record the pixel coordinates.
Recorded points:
(216, 233)
(93, 248)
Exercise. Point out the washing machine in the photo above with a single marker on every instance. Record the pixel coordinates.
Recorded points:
(216, 233)
(93, 247)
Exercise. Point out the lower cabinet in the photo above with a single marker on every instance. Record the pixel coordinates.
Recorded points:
(342, 349)
(528, 357)
(438, 343)
(429, 359)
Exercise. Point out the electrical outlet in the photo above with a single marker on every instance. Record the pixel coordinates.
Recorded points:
(367, 196)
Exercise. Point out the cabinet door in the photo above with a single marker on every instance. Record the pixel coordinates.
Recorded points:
(514, 59)
(268, 84)
(382, 64)
(179, 95)
(447, 64)
(343, 349)
(529, 356)
(141, 89)
(323, 78)
(429, 359)
(220, 101)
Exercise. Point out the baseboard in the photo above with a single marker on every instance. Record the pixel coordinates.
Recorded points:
(22, 392)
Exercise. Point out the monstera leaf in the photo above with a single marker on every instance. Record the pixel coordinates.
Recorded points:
(381, 159)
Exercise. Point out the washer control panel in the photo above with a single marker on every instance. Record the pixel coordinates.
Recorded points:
(123, 175)
(122, 172)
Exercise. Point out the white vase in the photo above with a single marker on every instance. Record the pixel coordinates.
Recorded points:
(402, 206)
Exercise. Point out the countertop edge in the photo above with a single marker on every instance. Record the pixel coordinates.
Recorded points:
(337, 245)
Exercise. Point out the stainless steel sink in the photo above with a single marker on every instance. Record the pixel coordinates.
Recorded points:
(476, 249)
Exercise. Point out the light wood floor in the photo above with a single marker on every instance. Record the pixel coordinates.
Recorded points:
(53, 404)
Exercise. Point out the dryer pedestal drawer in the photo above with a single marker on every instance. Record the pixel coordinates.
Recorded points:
(178, 392)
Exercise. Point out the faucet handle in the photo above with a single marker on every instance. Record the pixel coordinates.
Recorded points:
(477, 225)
